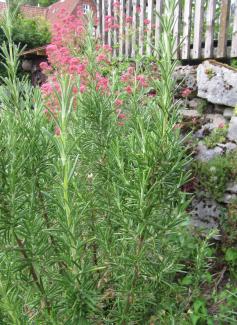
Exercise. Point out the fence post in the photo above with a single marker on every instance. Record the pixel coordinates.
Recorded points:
(150, 26)
(224, 20)
(110, 15)
(141, 26)
(134, 28)
(98, 16)
(121, 29)
(177, 16)
(210, 24)
(128, 29)
(234, 37)
(186, 29)
(159, 9)
(198, 28)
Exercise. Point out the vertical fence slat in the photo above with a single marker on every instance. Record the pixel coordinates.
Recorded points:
(150, 26)
(141, 26)
(115, 32)
(121, 29)
(127, 30)
(186, 29)
(99, 18)
(177, 16)
(224, 21)
(134, 27)
(159, 7)
(210, 24)
(110, 15)
(103, 21)
(234, 37)
(198, 28)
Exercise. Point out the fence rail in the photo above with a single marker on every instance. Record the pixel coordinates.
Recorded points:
(207, 28)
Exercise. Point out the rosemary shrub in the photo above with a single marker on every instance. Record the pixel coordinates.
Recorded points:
(91, 209)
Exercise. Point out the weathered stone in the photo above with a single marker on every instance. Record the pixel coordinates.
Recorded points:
(197, 103)
(190, 113)
(205, 214)
(228, 113)
(216, 120)
(217, 83)
(232, 188)
(187, 76)
(232, 132)
(228, 147)
(205, 154)
(228, 198)
(219, 109)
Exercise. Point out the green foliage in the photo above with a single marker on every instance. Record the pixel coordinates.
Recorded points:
(217, 136)
(214, 174)
(30, 33)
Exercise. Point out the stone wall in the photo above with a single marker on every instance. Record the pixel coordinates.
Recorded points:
(208, 96)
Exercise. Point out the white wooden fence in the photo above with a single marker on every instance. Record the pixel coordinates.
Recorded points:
(207, 28)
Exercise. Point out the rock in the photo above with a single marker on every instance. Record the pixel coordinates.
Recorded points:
(190, 113)
(228, 198)
(187, 76)
(197, 103)
(228, 147)
(216, 120)
(232, 132)
(232, 188)
(228, 113)
(205, 154)
(217, 83)
(205, 214)
(27, 65)
(219, 109)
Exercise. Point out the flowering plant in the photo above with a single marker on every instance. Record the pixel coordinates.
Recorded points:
(91, 201)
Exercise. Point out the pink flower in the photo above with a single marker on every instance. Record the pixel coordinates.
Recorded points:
(51, 48)
(44, 66)
(47, 88)
(221, 125)
(101, 58)
(128, 89)
(147, 21)
(138, 9)
(81, 68)
(82, 88)
(119, 102)
(121, 116)
(142, 81)
(186, 92)
(75, 90)
(57, 131)
(129, 19)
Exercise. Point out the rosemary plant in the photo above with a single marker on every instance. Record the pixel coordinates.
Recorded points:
(92, 214)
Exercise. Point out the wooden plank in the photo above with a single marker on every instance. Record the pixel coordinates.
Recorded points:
(210, 24)
(234, 37)
(98, 17)
(141, 26)
(186, 29)
(121, 28)
(177, 17)
(115, 32)
(103, 21)
(224, 21)
(198, 28)
(128, 28)
(134, 27)
(159, 9)
(110, 15)
(150, 9)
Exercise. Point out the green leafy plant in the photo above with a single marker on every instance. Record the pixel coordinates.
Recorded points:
(92, 213)
(217, 136)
